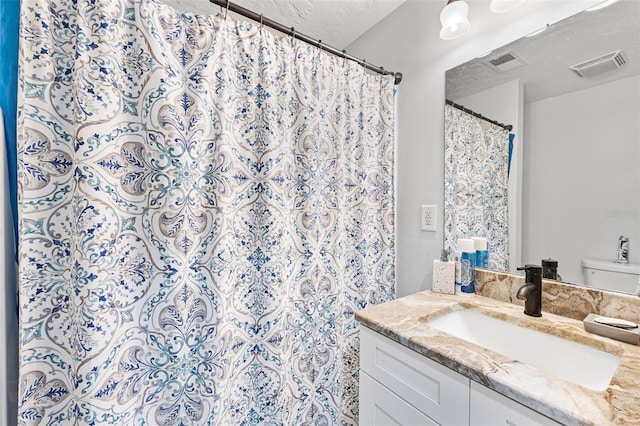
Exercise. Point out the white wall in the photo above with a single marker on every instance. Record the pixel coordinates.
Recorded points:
(582, 189)
(408, 41)
(510, 110)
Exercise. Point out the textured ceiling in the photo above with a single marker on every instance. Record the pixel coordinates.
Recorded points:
(549, 55)
(335, 22)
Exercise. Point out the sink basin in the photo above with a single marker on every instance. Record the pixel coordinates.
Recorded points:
(568, 360)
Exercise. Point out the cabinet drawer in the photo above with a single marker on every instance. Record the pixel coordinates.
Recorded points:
(489, 408)
(438, 392)
(381, 407)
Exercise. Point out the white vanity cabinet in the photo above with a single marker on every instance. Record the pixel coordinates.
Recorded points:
(398, 386)
(489, 408)
(406, 387)
(381, 407)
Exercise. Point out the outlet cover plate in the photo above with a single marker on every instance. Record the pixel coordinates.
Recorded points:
(428, 217)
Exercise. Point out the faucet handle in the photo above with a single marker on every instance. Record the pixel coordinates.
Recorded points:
(533, 273)
(527, 267)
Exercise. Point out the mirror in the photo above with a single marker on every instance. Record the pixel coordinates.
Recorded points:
(574, 184)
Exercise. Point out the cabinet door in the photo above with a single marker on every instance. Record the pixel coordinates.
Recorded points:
(489, 408)
(436, 391)
(381, 407)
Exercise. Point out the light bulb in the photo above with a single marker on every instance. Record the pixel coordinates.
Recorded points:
(454, 20)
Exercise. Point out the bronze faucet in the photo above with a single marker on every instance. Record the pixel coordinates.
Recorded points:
(531, 291)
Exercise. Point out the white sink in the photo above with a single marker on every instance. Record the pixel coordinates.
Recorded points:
(575, 362)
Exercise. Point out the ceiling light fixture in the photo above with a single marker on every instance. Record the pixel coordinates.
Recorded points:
(454, 20)
(501, 6)
(601, 5)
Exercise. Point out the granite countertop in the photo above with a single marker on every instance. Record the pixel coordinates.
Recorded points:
(405, 320)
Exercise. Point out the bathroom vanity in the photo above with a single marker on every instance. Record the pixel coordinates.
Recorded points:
(412, 372)
(400, 386)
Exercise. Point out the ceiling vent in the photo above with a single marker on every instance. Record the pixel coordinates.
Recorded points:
(505, 62)
(605, 63)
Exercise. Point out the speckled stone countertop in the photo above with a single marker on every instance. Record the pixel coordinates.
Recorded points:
(405, 320)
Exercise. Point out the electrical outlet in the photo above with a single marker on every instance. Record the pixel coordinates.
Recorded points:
(428, 217)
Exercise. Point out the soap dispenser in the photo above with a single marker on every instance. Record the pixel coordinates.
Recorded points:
(444, 272)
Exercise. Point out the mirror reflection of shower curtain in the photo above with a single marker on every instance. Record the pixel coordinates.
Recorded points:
(476, 184)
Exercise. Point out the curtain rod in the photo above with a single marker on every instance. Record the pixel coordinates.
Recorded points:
(507, 127)
(226, 4)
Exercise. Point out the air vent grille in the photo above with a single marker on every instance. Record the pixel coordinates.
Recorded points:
(600, 65)
(502, 59)
(505, 62)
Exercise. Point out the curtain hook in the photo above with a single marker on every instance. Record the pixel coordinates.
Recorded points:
(293, 35)
(226, 10)
(344, 57)
(261, 25)
(364, 68)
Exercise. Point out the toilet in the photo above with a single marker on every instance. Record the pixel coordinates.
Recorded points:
(609, 275)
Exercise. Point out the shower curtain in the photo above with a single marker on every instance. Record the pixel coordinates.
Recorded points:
(476, 183)
(203, 206)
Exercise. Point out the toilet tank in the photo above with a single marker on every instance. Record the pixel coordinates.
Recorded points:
(609, 275)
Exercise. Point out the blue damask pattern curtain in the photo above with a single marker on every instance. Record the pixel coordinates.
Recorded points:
(476, 182)
(202, 207)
